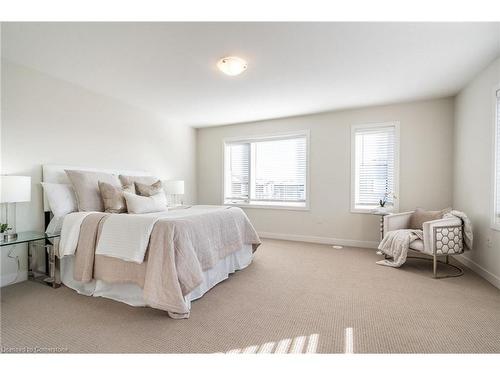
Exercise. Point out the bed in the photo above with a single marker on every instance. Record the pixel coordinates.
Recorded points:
(163, 260)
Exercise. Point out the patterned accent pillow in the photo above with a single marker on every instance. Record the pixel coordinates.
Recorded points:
(128, 180)
(420, 216)
(148, 190)
(113, 199)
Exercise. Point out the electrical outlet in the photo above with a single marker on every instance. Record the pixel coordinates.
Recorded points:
(489, 242)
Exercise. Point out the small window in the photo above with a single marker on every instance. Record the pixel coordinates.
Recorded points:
(374, 166)
(496, 169)
(267, 171)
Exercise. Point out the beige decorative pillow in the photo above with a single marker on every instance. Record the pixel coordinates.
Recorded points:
(112, 197)
(86, 186)
(129, 180)
(147, 190)
(420, 216)
(137, 204)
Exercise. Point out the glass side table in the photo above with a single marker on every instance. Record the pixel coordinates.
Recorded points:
(50, 245)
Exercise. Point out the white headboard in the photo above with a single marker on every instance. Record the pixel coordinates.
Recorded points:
(56, 174)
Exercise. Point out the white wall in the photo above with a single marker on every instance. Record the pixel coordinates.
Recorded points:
(46, 120)
(426, 168)
(473, 158)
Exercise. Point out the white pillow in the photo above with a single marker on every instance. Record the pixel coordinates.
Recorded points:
(137, 204)
(61, 197)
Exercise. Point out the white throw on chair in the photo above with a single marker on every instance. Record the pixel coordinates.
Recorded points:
(442, 237)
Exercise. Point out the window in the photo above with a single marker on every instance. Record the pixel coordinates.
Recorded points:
(267, 171)
(374, 166)
(496, 162)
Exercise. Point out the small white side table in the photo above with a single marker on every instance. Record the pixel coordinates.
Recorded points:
(381, 214)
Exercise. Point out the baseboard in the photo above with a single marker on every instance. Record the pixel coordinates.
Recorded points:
(321, 240)
(12, 278)
(484, 273)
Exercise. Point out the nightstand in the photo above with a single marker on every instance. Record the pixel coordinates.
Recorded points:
(50, 244)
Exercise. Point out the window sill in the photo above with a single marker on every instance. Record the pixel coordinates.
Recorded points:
(268, 205)
(371, 210)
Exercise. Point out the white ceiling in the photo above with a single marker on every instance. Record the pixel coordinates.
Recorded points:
(293, 68)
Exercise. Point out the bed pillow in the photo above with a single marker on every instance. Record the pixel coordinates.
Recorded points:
(112, 197)
(129, 180)
(86, 185)
(61, 198)
(137, 204)
(148, 190)
(420, 216)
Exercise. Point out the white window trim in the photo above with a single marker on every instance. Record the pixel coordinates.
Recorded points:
(272, 136)
(395, 207)
(494, 224)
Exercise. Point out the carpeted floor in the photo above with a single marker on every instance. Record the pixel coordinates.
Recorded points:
(294, 297)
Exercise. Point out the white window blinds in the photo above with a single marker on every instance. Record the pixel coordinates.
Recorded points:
(266, 171)
(238, 173)
(280, 170)
(496, 216)
(374, 165)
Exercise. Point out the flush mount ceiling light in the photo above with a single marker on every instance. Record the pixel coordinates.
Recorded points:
(232, 65)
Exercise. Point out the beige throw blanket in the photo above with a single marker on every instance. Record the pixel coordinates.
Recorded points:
(396, 244)
(467, 227)
(179, 250)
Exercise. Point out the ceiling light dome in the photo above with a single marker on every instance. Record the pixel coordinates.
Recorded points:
(232, 65)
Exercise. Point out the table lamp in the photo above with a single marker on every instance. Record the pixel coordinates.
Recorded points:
(13, 189)
(174, 188)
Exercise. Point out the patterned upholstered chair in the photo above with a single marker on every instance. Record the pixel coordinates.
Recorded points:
(442, 238)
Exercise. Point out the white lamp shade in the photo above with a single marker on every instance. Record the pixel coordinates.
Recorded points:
(15, 189)
(174, 187)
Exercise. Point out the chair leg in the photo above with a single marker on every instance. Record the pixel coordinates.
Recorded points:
(447, 259)
(434, 265)
(435, 262)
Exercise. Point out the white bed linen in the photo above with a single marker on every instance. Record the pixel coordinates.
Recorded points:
(55, 225)
(131, 293)
(126, 237)
(70, 233)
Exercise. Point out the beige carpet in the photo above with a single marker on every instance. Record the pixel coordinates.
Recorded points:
(295, 297)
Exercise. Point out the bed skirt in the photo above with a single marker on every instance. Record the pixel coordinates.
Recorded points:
(131, 293)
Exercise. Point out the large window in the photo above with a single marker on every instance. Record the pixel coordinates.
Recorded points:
(496, 161)
(267, 171)
(374, 166)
